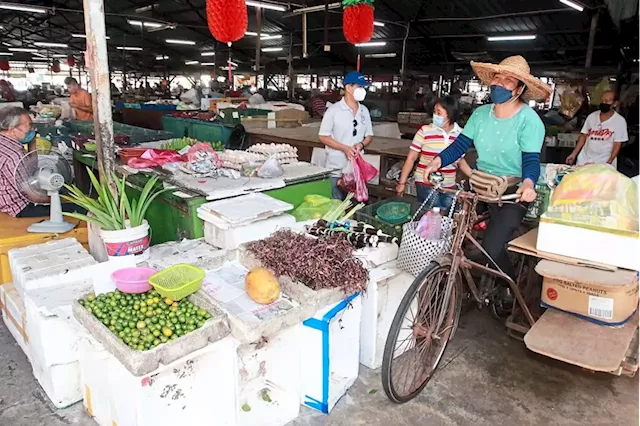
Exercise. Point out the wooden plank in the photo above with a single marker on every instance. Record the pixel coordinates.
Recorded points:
(576, 341)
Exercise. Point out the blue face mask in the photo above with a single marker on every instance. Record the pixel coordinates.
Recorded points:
(438, 120)
(28, 137)
(500, 95)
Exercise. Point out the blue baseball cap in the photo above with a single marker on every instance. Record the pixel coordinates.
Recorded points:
(355, 77)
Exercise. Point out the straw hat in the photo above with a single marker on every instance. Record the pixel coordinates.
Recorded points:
(516, 67)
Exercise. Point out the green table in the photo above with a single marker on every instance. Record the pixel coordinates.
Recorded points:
(173, 218)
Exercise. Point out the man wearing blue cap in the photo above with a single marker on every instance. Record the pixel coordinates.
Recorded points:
(346, 128)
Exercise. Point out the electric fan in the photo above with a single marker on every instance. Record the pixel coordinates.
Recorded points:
(40, 175)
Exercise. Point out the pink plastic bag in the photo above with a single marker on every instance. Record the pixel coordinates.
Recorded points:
(356, 179)
(154, 157)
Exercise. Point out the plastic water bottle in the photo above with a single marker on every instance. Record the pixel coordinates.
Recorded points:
(430, 225)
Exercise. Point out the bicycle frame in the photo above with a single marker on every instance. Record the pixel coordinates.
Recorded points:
(464, 220)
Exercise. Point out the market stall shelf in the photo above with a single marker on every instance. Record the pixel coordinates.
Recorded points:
(330, 353)
(592, 346)
(198, 388)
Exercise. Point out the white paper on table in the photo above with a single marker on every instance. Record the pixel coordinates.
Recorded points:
(227, 285)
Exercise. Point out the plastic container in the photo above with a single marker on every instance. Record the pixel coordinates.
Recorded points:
(369, 215)
(125, 242)
(133, 280)
(220, 234)
(178, 281)
(394, 212)
(128, 153)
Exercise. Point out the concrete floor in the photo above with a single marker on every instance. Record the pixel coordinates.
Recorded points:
(486, 378)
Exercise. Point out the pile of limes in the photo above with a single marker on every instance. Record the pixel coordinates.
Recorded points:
(144, 321)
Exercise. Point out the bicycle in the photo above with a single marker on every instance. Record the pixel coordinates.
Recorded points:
(436, 298)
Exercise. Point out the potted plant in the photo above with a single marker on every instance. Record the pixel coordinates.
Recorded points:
(120, 220)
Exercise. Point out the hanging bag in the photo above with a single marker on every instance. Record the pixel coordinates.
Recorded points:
(489, 186)
(416, 253)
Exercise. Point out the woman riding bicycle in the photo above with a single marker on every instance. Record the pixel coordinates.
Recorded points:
(508, 136)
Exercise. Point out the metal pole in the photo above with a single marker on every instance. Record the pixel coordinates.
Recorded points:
(259, 30)
(101, 91)
(592, 39)
(304, 35)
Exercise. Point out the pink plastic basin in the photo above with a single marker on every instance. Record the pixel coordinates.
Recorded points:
(133, 280)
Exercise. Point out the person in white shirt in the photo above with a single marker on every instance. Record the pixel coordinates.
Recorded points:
(602, 135)
(346, 128)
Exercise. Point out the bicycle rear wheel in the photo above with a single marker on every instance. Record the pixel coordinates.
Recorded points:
(421, 329)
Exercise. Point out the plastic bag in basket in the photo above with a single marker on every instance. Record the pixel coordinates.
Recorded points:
(596, 195)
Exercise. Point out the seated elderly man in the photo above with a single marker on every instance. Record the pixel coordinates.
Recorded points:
(16, 132)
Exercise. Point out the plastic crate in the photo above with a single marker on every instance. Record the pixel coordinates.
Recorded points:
(211, 132)
(368, 215)
(178, 281)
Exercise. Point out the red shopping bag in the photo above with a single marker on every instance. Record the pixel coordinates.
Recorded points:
(356, 177)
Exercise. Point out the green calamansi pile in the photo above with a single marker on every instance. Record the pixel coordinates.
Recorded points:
(144, 321)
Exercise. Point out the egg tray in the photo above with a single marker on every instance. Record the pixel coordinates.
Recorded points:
(140, 363)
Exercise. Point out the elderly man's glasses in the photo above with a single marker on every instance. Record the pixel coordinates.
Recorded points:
(355, 127)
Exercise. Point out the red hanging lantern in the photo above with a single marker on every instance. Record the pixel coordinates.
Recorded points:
(227, 19)
(71, 61)
(55, 66)
(357, 20)
(4, 65)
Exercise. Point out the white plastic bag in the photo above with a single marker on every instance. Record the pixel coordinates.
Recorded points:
(270, 169)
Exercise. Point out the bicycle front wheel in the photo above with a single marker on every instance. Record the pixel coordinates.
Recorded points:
(421, 329)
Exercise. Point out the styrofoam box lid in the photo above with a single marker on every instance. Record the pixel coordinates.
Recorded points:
(36, 249)
(58, 269)
(246, 208)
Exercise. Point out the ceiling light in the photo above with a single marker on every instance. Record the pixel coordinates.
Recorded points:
(22, 49)
(512, 38)
(191, 62)
(264, 5)
(21, 8)
(146, 8)
(175, 41)
(577, 6)
(380, 55)
(251, 33)
(227, 68)
(270, 37)
(39, 54)
(133, 48)
(371, 44)
(378, 24)
(59, 55)
(1, 27)
(315, 8)
(84, 36)
(37, 58)
(232, 63)
(208, 64)
(272, 49)
(161, 58)
(145, 23)
(7, 44)
(47, 44)
(208, 54)
(6, 54)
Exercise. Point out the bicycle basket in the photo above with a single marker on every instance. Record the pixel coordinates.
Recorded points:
(416, 253)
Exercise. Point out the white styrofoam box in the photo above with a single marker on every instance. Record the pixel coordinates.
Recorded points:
(51, 274)
(617, 249)
(231, 238)
(330, 353)
(60, 382)
(197, 390)
(387, 286)
(269, 380)
(194, 252)
(244, 209)
(14, 316)
(372, 257)
(22, 260)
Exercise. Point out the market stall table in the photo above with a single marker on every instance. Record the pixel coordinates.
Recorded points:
(173, 215)
(14, 235)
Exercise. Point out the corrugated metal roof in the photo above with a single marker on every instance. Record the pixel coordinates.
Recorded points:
(442, 32)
